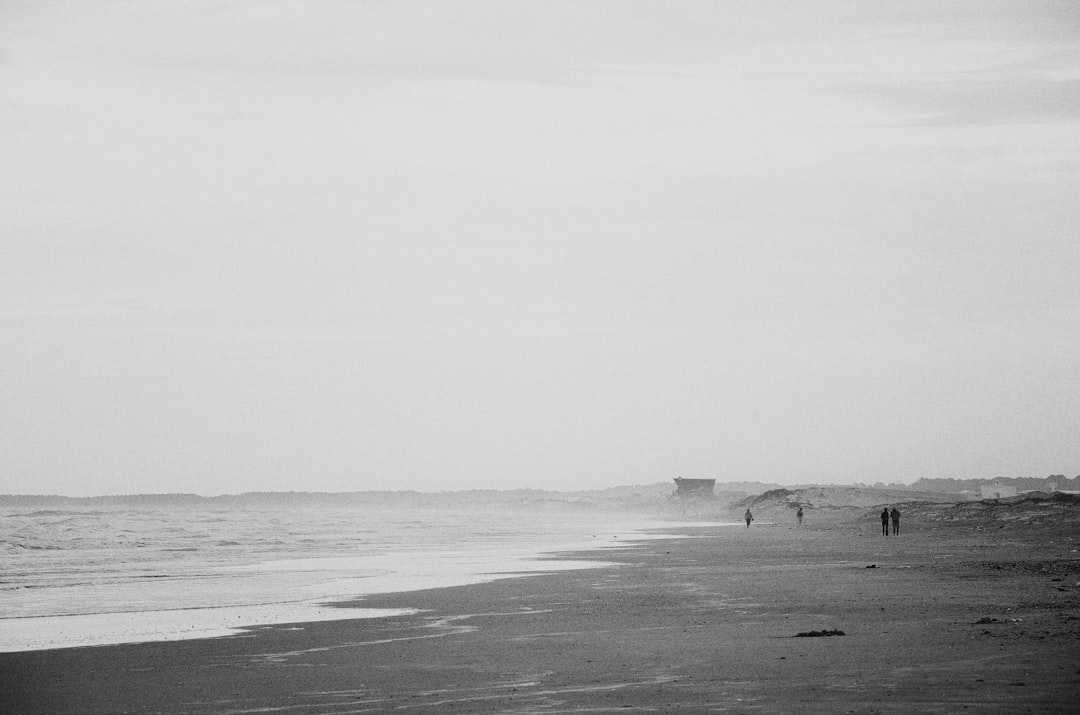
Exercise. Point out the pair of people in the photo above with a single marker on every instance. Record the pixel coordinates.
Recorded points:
(886, 517)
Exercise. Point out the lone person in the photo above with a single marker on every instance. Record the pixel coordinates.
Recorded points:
(885, 521)
(895, 514)
(798, 515)
(749, 517)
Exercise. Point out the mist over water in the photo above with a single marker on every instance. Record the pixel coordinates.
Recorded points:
(100, 575)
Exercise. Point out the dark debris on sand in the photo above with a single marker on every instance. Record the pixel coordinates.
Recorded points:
(818, 634)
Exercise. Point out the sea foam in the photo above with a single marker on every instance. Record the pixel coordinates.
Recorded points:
(95, 577)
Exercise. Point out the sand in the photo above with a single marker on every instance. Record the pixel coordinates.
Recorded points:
(949, 619)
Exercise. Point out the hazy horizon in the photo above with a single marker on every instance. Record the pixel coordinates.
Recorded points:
(352, 246)
(719, 488)
(618, 491)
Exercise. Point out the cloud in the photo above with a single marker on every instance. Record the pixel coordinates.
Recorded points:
(979, 101)
(237, 236)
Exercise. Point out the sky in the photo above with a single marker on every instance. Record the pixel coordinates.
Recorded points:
(269, 245)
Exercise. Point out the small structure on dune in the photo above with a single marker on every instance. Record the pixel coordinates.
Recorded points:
(997, 491)
(699, 488)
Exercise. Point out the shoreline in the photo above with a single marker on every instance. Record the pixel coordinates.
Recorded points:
(949, 618)
(313, 584)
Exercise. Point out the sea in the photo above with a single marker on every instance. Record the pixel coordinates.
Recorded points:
(98, 576)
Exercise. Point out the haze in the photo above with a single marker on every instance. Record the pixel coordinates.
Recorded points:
(450, 245)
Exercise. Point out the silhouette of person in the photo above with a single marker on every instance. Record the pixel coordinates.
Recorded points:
(749, 517)
(798, 515)
(895, 514)
(885, 521)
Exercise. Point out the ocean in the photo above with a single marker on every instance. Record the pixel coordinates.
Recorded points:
(99, 576)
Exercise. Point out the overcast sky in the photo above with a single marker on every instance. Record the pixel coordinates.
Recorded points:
(382, 244)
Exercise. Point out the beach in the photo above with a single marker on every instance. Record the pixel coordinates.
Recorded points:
(90, 577)
(943, 618)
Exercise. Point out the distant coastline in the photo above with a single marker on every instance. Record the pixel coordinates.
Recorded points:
(648, 497)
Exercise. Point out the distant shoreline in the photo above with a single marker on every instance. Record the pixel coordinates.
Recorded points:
(516, 495)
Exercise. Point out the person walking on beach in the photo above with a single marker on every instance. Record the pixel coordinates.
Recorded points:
(749, 517)
(895, 514)
(798, 515)
(885, 521)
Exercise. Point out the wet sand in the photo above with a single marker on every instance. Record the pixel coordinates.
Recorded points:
(949, 619)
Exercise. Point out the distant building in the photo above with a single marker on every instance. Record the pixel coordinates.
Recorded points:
(997, 491)
(694, 487)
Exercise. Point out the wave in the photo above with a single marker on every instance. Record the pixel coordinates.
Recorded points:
(30, 547)
(160, 560)
(51, 512)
